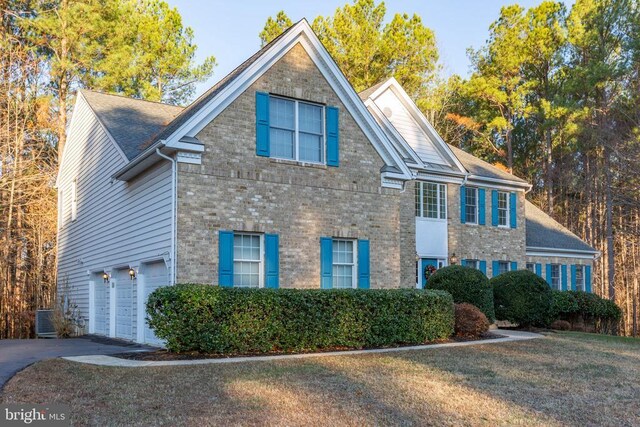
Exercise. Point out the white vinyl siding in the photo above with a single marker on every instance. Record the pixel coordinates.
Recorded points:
(471, 205)
(344, 264)
(296, 130)
(431, 200)
(119, 222)
(247, 260)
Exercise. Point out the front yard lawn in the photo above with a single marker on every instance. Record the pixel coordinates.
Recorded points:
(565, 379)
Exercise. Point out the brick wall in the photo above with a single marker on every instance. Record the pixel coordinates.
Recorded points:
(233, 189)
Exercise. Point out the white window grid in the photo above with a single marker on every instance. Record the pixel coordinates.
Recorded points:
(503, 209)
(74, 200)
(503, 267)
(431, 200)
(580, 278)
(344, 264)
(60, 208)
(248, 260)
(471, 205)
(531, 267)
(555, 277)
(296, 131)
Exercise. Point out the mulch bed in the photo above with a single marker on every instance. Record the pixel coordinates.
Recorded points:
(163, 355)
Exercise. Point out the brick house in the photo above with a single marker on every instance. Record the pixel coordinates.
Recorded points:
(282, 176)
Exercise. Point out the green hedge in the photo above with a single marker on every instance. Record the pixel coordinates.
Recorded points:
(211, 319)
(588, 307)
(466, 285)
(522, 297)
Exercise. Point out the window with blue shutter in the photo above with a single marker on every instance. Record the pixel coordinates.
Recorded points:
(225, 258)
(494, 208)
(262, 124)
(483, 267)
(564, 277)
(514, 266)
(481, 206)
(513, 214)
(539, 269)
(573, 277)
(363, 265)
(495, 268)
(326, 262)
(333, 136)
(463, 201)
(549, 280)
(271, 261)
(587, 278)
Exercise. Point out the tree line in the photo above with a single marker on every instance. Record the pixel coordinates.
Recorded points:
(553, 96)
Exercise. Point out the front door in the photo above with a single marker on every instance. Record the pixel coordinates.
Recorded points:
(424, 263)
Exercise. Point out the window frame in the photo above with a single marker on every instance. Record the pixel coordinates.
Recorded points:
(476, 263)
(476, 206)
(296, 131)
(60, 208)
(581, 285)
(506, 210)
(353, 264)
(501, 263)
(441, 205)
(531, 266)
(74, 200)
(559, 277)
(260, 262)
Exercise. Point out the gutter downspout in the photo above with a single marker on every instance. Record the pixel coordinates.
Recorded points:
(174, 186)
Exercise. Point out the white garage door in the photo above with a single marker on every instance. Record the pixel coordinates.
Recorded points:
(155, 276)
(124, 306)
(101, 302)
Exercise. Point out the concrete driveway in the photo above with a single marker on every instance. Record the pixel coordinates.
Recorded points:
(16, 355)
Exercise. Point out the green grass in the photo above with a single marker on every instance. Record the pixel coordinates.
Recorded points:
(564, 379)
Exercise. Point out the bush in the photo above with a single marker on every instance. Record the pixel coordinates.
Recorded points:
(583, 307)
(211, 319)
(470, 321)
(465, 284)
(561, 325)
(522, 297)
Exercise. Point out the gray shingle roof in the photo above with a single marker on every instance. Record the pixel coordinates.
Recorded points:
(545, 232)
(130, 121)
(479, 167)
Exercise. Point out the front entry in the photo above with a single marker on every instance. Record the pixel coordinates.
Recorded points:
(424, 263)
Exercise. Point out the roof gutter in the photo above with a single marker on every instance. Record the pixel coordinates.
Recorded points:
(524, 185)
(149, 151)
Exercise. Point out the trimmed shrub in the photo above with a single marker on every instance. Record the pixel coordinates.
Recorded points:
(470, 321)
(522, 297)
(584, 308)
(465, 284)
(211, 319)
(561, 325)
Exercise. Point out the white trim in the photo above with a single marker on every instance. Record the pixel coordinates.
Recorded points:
(92, 307)
(477, 205)
(354, 264)
(507, 223)
(112, 307)
(439, 203)
(502, 183)
(303, 34)
(561, 253)
(140, 309)
(261, 251)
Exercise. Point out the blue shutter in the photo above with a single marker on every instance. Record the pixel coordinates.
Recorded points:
(225, 258)
(494, 208)
(271, 261)
(539, 269)
(326, 262)
(549, 274)
(483, 267)
(563, 273)
(495, 267)
(587, 278)
(262, 124)
(481, 206)
(463, 204)
(573, 277)
(513, 214)
(514, 265)
(363, 264)
(333, 143)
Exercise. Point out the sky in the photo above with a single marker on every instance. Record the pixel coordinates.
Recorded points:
(229, 29)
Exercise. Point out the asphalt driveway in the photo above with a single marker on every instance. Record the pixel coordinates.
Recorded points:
(16, 355)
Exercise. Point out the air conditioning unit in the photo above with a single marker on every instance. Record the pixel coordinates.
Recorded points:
(44, 324)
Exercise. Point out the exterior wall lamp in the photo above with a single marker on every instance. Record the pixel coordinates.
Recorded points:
(132, 274)
(105, 277)
(454, 259)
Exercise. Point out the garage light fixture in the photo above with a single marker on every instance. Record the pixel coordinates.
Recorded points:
(105, 277)
(132, 273)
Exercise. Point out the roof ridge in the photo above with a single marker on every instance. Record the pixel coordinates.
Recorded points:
(116, 95)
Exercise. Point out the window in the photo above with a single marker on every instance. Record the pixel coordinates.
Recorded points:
(471, 205)
(247, 260)
(74, 201)
(531, 267)
(60, 208)
(580, 285)
(344, 276)
(555, 277)
(503, 266)
(503, 209)
(431, 200)
(296, 130)
(473, 263)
